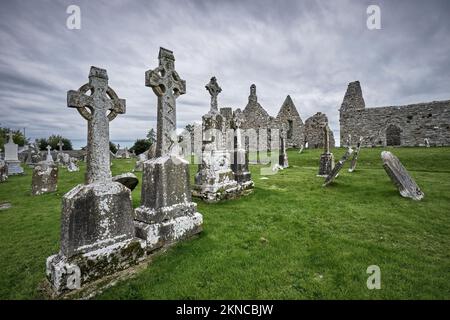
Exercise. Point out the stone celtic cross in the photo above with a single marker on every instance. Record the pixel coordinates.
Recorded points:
(168, 86)
(60, 145)
(214, 90)
(94, 108)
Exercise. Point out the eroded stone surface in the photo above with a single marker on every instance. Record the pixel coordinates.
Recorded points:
(129, 180)
(334, 173)
(355, 156)
(394, 125)
(45, 178)
(401, 178)
(3, 171)
(326, 163)
(97, 229)
(167, 213)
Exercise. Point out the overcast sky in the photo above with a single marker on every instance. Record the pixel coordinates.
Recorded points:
(307, 49)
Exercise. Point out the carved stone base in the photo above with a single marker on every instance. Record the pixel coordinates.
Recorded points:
(326, 164)
(14, 167)
(69, 274)
(215, 180)
(161, 234)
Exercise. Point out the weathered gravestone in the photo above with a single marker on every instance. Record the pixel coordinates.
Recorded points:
(49, 158)
(239, 166)
(283, 157)
(167, 213)
(45, 178)
(427, 142)
(34, 154)
(334, 173)
(326, 163)
(97, 229)
(12, 158)
(406, 185)
(214, 180)
(355, 155)
(3, 169)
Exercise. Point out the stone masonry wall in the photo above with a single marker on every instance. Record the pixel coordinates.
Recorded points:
(405, 125)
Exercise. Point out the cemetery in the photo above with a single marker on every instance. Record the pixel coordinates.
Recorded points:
(220, 200)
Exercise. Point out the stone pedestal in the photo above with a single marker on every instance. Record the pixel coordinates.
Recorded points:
(215, 180)
(45, 178)
(97, 236)
(241, 173)
(167, 213)
(326, 164)
(14, 167)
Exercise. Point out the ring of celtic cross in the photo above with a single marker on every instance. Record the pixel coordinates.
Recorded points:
(84, 110)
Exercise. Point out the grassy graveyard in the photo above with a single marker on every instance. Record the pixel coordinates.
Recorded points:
(291, 239)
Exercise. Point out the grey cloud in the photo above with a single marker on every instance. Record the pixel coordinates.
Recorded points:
(308, 49)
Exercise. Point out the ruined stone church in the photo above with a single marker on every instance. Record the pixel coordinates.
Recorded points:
(288, 121)
(408, 125)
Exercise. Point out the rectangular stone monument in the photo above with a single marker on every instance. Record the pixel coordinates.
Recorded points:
(45, 178)
(283, 157)
(12, 157)
(355, 155)
(214, 180)
(334, 173)
(401, 178)
(326, 163)
(97, 229)
(239, 166)
(167, 214)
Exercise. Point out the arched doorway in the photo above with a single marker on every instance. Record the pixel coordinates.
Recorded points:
(393, 135)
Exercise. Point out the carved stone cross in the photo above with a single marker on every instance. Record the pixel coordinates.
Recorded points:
(214, 90)
(11, 138)
(94, 108)
(168, 86)
(60, 145)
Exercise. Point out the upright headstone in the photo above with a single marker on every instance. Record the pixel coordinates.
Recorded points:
(334, 173)
(45, 178)
(214, 180)
(49, 158)
(405, 184)
(3, 169)
(283, 157)
(34, 154)
(355, 155)
(239, 166)
(167, 213)
(97, 229)
(326, 163)
(12, 157)
(60, 145)
(427, 142)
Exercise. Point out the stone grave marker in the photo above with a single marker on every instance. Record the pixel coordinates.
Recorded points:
(355, 155)
(214, 180)
(12, 157)
(334, 173)
(167, 213)
(401, 178)
(326, 163)
(97, 229)
(45, 178)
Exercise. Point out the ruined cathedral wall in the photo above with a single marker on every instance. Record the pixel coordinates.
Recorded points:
(416, 122)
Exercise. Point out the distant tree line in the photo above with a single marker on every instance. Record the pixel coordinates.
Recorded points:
(142, 145)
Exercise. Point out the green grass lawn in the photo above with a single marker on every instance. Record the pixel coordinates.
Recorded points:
(290, 239)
